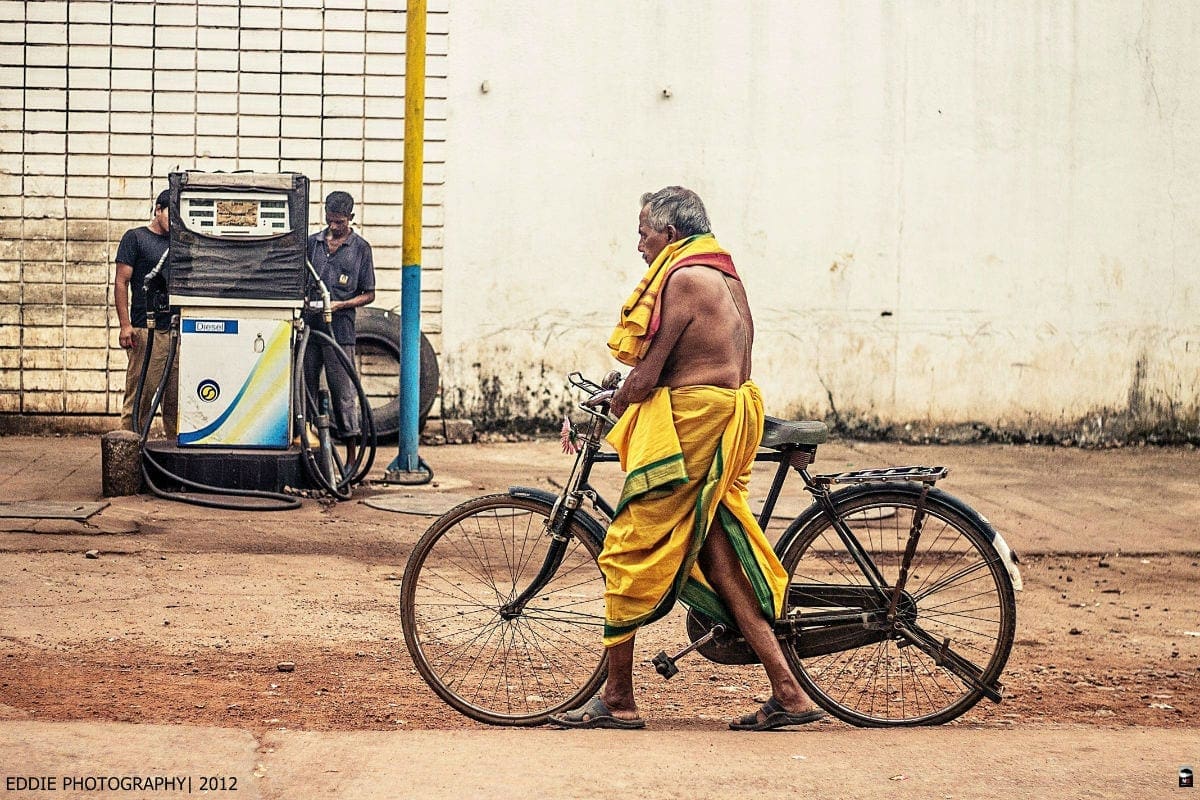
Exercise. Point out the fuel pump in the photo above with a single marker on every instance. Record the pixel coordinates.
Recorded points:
(238, 278)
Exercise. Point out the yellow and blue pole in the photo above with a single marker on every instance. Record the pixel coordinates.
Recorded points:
(407, 466)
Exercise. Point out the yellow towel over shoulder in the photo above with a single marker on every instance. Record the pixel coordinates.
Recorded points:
(687, 453)
(640, 313)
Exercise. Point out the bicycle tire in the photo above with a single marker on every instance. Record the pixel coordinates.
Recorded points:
(958, 589)
(472, 560)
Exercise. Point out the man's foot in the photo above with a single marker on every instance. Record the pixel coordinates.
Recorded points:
(773, 715)
(595, 713)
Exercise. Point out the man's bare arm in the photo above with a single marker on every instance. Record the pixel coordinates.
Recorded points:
(121, 299)
(676, 316)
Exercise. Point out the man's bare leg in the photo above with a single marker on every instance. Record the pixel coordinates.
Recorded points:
(723, 570)
(618, 690)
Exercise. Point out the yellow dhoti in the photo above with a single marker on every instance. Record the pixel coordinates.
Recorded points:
(687, 453)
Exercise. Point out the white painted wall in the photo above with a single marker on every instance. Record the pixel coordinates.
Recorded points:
(942, 212)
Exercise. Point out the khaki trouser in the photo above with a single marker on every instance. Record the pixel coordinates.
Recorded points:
(158, 362)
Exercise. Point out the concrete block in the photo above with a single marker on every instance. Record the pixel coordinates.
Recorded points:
(258, 83)
(174, 37)
(81, 11)
(42, 208)
(303, 19)
(44, 152)
(296, 80)
(87, 164)
(87, 186)
(88, 131)
(86, 380)
(259, 106)
(224, 61)
(80, 339)
(122, 102)
(134, 57)
(136, 143)
(49, 121)
(93, 207)
(81, 230)
(132, 80)
(45, 32)
(217, 38)
(259, 61)
(344, 42)
(133, 12)
(43, 358)
(45, 99)
(90, 35)
(174, 103)
(87, 403)
(345, 20)
(38, 380)
(46, 12)
(350, 64)
(385, 21)
(306, 43)
(120, 463)
(85, 295)
(266, 18)
(86, 58)
(79, 252)
(258, 147)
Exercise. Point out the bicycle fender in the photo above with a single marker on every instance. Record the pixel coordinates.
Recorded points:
(581, 517)
(1006, 553)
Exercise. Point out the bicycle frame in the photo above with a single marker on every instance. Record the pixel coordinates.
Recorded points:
(864, 615)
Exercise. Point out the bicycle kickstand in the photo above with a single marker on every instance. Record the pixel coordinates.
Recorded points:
(665, 664)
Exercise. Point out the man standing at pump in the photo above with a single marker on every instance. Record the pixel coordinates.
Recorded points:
(343, 260)
(690, 423)
(138, 254)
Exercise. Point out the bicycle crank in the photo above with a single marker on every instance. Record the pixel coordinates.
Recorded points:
(665, 664)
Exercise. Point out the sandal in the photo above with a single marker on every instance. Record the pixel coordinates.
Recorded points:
(595, 713)
(774, 716)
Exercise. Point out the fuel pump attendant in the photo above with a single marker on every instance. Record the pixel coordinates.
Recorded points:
(343, 260)
(137, 255)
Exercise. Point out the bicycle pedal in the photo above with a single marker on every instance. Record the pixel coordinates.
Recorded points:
(665, 665)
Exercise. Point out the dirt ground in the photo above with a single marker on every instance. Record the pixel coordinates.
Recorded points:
(184, 615)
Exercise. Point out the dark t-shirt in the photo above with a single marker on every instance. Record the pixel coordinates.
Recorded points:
(141, 248)
(347, 273)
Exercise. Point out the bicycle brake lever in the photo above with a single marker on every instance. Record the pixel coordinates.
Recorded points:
(600, 397)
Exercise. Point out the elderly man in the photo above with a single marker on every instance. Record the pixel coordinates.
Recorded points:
(690, 423)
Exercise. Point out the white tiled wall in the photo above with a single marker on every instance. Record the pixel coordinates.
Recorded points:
(99, 101)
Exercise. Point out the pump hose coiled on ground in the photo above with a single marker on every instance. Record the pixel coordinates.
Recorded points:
(356, 470)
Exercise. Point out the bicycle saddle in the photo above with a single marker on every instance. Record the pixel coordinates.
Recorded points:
(779, 433)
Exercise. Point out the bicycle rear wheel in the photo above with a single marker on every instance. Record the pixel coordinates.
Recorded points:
(864, 670)
(471, 562)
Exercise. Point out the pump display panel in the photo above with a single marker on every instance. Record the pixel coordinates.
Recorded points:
(235, 215)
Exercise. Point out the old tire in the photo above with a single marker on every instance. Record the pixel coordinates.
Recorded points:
(377, 359)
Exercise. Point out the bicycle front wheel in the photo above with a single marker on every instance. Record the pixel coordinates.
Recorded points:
(957, 600)
(495, 667)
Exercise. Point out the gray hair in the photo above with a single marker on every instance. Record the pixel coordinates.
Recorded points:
(675, 205)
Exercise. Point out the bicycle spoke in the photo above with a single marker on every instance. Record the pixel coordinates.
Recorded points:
(469, 565)
(955, 589)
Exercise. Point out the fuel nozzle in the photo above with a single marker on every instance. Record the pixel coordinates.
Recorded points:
(326, 302)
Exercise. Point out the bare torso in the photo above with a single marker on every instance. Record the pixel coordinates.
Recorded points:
(714, 348)
(705, 337)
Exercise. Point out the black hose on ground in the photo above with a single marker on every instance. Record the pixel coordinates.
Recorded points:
(365, 442)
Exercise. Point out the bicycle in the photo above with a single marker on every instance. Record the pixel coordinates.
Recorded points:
(899, 611)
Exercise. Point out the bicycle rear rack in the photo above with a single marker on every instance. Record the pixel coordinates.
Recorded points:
(928, 475)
